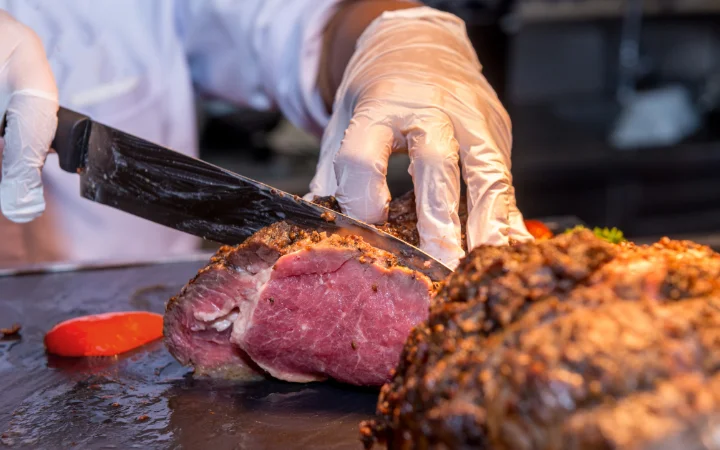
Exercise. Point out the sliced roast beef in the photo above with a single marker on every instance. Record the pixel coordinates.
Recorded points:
(300, 306)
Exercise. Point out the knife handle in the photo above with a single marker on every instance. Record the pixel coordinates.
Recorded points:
(71, 139)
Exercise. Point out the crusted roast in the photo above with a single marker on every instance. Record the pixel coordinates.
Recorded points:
(298, 305)
(570, 343)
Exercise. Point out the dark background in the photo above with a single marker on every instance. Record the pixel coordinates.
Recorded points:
(555, 64)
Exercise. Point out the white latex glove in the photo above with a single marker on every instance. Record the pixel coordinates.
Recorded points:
(29, 104)
(414, 84)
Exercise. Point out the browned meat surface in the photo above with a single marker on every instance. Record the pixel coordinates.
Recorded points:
(571, 343)
(14, 330)
(327, 202)
(402, 217)
(300, 306)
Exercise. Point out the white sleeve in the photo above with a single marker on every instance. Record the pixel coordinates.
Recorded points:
(260, 53)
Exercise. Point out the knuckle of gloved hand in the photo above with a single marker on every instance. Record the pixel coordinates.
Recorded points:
(370, 210)
(434, 153)
(435, 157)
(355, 159)
(14, 32)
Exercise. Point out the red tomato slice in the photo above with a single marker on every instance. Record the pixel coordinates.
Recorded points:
(538, 229)
(104, 334)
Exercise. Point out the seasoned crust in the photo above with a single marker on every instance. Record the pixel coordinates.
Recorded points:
(402, 217)
(280, 239)
(499, 299)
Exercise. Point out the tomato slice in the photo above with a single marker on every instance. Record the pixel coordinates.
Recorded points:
(538, 229)
(104, 334)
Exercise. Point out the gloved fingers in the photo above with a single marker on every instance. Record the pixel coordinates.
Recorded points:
(324, 182)
(29, 102)
(31, 125)
(489, 190)
(486, 141)
(434, 168)
(518, 231)
(361, 166)
(488, 209)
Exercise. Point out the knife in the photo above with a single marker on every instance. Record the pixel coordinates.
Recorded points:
(193, 196)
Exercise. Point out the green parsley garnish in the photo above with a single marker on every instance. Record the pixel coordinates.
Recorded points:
(612, 235)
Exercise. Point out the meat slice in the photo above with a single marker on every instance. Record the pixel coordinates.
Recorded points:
(571, 343)
(300, 306)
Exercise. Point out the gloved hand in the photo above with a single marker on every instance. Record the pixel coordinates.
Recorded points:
(414, 84)
(29, 104)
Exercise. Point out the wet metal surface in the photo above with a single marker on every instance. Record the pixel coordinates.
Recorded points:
(144, 399)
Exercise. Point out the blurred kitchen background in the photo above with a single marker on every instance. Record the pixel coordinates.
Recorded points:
(615, 107)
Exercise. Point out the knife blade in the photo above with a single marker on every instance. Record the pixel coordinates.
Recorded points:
(185, 193)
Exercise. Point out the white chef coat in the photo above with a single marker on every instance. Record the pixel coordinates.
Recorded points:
(132, 64)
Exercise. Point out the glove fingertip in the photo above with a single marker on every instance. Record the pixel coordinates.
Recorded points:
(26, 214)
(447, 250)
(21, 208)
(365, 209)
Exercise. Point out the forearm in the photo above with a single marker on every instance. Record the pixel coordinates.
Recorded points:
(340, 36)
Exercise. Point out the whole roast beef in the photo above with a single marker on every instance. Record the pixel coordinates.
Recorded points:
(570, 343)
(300, 305)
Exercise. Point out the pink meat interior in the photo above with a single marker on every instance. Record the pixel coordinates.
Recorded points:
(198, 328)
(324, 313)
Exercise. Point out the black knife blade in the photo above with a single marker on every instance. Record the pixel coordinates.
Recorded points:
(193, 196)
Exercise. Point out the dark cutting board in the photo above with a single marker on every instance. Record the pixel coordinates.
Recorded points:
(145, 399)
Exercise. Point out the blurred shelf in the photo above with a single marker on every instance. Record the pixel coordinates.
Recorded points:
(567, 142)
(565, 165)
(538, 11)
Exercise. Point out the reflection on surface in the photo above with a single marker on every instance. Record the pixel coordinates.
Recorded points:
(269, 415)
(145, 399)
